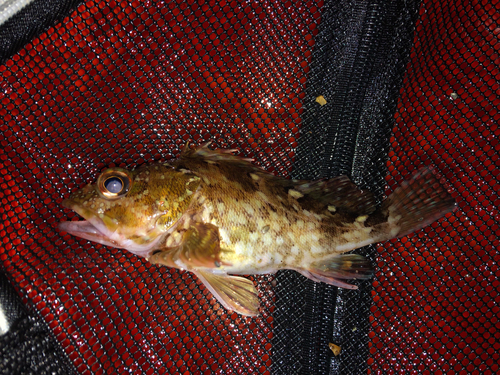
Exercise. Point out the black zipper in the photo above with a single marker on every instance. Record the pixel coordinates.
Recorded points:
(358, 65)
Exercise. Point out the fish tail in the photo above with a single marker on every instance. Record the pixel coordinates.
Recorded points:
(417, 203)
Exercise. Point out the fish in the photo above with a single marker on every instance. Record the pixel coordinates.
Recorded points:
(217, 215)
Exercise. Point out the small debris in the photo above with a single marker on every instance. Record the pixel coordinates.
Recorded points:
(335, 349)
(321, 100)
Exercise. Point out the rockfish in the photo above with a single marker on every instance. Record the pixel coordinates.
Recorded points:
(217, 215)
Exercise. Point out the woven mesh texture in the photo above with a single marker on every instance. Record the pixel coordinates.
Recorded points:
(436, 293)
(27, 345)
(126, 83)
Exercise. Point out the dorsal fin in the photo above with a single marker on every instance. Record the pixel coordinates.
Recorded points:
(193, 156)
(338, 193)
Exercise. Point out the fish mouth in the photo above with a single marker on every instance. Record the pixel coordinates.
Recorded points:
(85, 229)
(92, 229)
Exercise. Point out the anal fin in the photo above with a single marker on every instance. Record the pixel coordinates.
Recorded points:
(235, 293)
(336, 268)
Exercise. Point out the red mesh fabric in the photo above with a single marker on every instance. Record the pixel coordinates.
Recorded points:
(436, 292)
(125, 83)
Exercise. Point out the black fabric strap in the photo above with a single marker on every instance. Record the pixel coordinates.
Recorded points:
(27, 345)
(358, 66)
(32, 20)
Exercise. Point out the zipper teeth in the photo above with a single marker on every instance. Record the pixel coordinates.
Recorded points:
(326, 302)
(352, 87)
(8, 8)
(326, 307)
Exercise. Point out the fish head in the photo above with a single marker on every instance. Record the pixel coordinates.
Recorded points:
(131, 209)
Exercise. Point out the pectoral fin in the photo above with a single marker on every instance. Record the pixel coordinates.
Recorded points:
(337, 267)
(200, 247)
(233, 292)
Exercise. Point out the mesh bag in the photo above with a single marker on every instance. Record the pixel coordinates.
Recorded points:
(85, 86)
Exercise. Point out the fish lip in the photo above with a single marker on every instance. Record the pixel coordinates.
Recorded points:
(78, 228)
(84, 212)
(88, 230)
(88, 226)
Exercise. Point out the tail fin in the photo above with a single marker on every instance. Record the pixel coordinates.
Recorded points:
(417, 203)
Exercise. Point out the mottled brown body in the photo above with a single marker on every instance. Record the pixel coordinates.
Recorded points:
(265, 224)
(216, 214)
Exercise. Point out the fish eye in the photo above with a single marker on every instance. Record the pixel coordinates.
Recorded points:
(114, 183)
